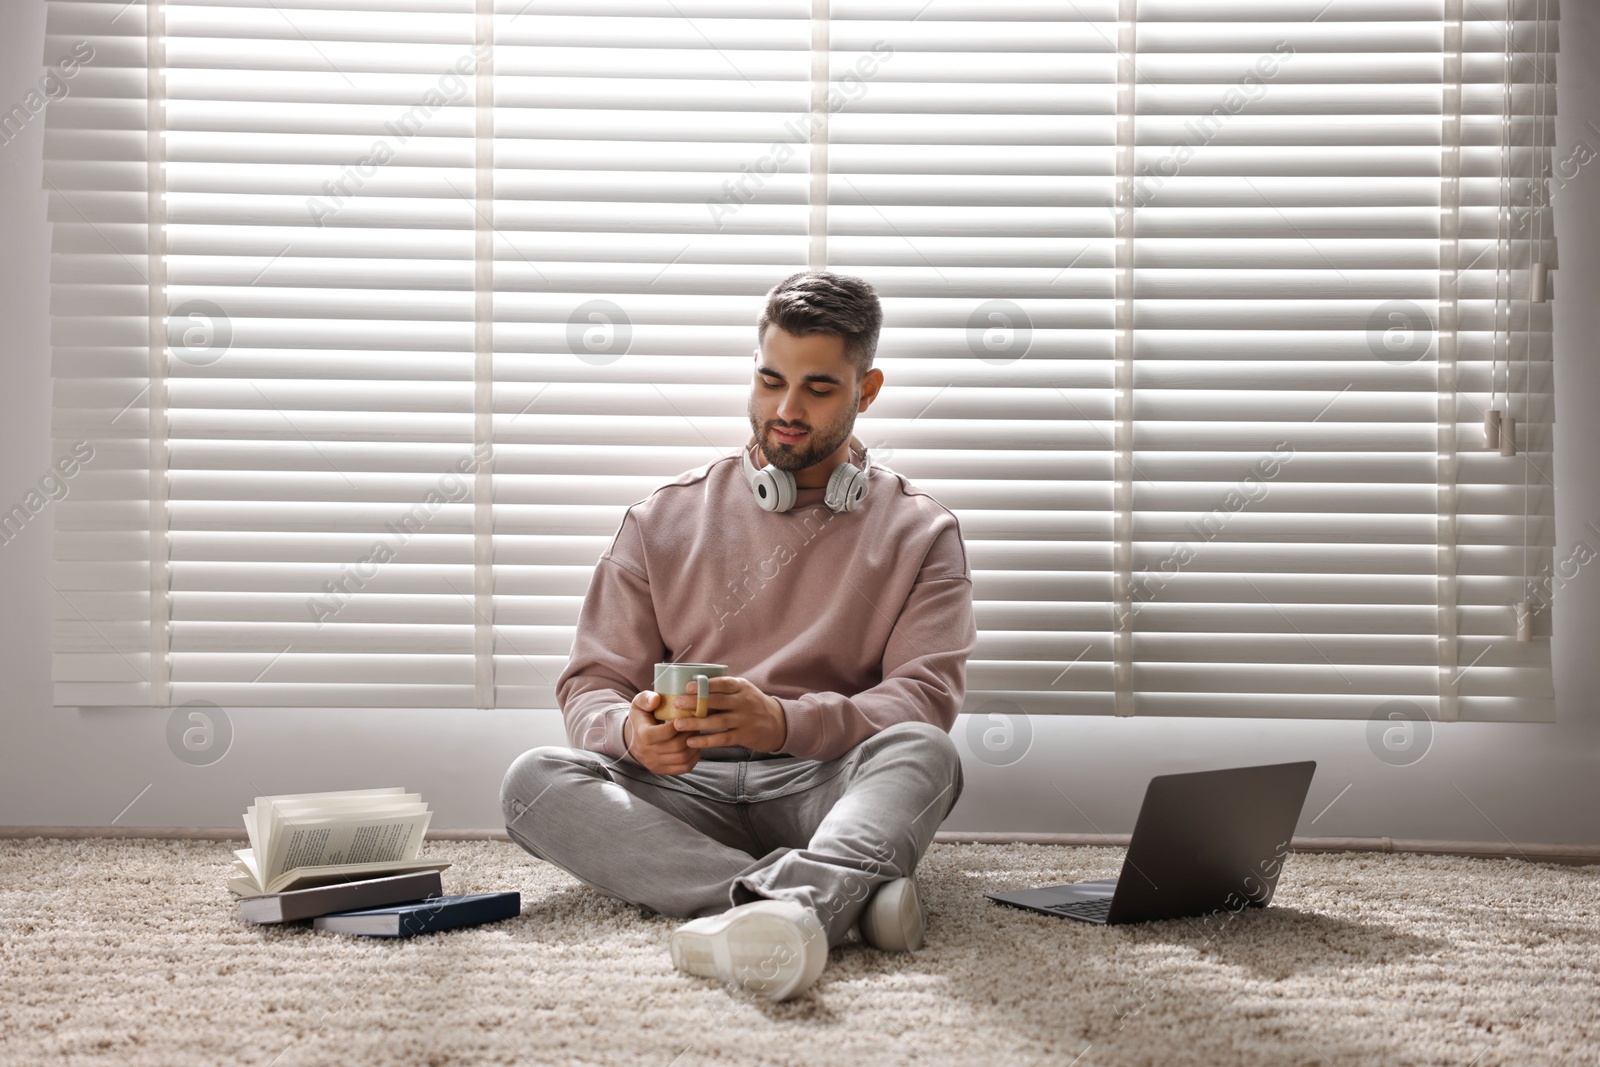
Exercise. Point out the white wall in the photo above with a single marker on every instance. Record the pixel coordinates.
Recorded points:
(1478, 782)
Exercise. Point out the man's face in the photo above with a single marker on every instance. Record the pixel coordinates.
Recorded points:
(806, 385)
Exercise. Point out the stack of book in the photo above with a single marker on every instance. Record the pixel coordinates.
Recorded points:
(351, 861)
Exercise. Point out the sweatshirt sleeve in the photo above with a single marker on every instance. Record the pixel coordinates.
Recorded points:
(924, 664)
(615, 649)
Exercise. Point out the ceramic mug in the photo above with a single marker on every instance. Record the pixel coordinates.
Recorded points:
(672, 681)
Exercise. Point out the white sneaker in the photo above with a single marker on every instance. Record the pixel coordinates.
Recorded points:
(893, 920)
(773, 948)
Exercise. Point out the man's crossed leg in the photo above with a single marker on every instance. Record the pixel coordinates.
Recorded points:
(823, 835)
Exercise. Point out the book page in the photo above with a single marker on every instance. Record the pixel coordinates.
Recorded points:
(258, 816)
(342, 841)
(273, 821)
(267, 813)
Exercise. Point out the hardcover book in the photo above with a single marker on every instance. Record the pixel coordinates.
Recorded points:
(340, 896)
(425, 916)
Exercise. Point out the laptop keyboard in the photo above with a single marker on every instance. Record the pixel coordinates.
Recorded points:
(1093, 910)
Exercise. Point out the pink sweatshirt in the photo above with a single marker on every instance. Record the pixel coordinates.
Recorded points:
(854, 621)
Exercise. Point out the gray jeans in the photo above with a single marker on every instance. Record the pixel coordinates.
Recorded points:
(728, 832)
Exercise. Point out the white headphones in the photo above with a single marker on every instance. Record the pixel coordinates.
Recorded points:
(775, 489)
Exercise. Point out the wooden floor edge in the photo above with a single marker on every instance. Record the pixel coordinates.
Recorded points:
(1576, 855)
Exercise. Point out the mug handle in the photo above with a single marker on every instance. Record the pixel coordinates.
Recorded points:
(701, 685)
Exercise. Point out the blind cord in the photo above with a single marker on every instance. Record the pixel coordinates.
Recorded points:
(1124, 700)
(1494, 427)
(1536, 200)
(159, 675)
(817, 184)
(483, 629)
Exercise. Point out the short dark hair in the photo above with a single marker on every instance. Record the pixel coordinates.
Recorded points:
(819, 301)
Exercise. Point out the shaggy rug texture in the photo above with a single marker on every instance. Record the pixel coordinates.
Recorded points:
(131, 952)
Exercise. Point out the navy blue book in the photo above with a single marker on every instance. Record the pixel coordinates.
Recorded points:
(424, 916)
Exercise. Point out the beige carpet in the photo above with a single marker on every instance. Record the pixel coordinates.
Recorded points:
(130, 952)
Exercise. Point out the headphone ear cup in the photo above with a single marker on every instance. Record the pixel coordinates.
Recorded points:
(774, 489)
(846, 486)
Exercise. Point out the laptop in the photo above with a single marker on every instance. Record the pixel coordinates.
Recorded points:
(1205, 841)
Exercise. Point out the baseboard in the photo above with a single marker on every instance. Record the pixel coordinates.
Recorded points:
(122, 833)
(200, 833)
(1574, 855)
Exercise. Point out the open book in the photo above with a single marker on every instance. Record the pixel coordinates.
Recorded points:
(306, 839)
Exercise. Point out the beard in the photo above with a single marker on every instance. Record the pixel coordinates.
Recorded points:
(820, 442)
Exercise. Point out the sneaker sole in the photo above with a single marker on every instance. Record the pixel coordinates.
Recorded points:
(893, 921)
(764, 952)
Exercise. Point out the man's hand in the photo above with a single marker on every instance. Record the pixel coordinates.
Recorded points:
(656, 746)
(739, 714)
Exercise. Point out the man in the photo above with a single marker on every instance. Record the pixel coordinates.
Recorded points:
(797, 809)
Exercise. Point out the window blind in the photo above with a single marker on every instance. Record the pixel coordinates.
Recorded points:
(1317, 521)
(378, 315)
(285, 513)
